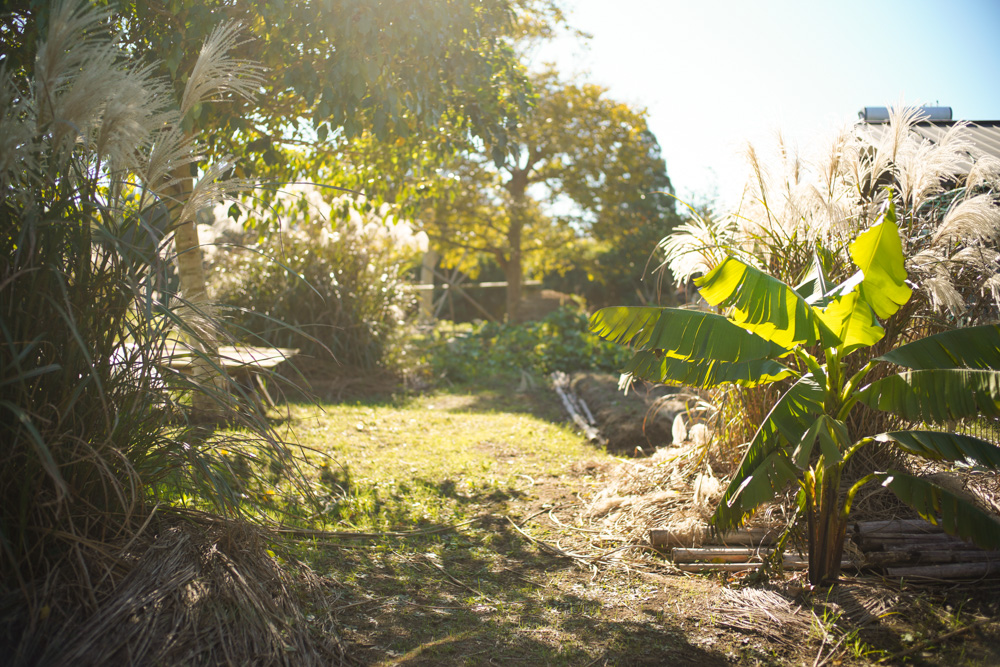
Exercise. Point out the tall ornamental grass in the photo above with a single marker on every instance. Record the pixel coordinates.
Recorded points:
(93, 425)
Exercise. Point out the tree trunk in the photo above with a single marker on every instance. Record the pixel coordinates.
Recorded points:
(513, 267)
(512, 273)
(195, 312)
(427, 314)
(827, 531)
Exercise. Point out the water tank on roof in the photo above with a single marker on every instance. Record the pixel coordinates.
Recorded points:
(881, 114)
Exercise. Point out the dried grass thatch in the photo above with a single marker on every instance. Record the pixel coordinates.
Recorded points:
(790, 622)
(198, 590)
(676, 489)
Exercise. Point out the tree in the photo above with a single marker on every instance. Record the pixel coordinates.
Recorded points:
(340, 67)
(580, 163)
(323, 70)
(772, 332)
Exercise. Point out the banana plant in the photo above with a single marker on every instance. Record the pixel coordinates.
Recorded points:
(810, 336)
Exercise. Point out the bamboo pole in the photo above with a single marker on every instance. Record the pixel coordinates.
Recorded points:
(895, 526)
(947, 571)
(752, 537)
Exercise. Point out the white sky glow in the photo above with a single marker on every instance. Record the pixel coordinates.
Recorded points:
(717, 73)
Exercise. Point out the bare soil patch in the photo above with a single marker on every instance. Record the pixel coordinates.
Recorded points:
(634, 423)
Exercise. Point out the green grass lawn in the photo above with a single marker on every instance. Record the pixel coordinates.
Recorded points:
(430, 459)
(441, 513)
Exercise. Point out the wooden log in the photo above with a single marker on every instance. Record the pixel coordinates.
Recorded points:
(753, 537)
(947, 571)
(895, 526)
(716, 554)
(579, 414)
(875, 541)
(924, 546)
(716, 567)
(788, 564)
(930, 556)
(659, 537)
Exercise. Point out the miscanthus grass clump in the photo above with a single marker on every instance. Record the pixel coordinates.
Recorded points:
(96, 450)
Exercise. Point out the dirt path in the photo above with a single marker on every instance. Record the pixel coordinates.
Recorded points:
(514, 584)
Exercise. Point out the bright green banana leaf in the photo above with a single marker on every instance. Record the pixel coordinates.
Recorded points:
(784, 426)
(955, 515)
(972, 347)
(705, 374)
(680, 333)
(764, 305)
(833, 437)
(853, 320)
(936, 395)
(940, 446)
(878, 252)
(768, 479)
(815, 286)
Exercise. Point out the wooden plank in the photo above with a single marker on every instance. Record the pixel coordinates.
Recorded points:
(230, 357)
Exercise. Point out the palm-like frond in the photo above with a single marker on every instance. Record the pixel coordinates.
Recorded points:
(684, 334)
(851, 318)
(784, 426)
(707, 374)
(878, 252)
(942, 446)
(936, 395)
(971, 347)
(773, 474)
(764, 305)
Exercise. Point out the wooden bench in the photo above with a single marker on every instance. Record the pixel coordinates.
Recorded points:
(244, 363)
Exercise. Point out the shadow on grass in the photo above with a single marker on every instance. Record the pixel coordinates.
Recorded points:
(354, 504)
(486, 595)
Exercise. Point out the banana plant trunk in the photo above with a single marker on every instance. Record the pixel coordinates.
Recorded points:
(827, 530)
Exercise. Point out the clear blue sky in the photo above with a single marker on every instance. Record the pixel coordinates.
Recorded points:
(716, 73)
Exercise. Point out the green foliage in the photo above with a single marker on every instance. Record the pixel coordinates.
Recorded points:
(558, 342)
(806, 437)
(394, 67)
(335, 290)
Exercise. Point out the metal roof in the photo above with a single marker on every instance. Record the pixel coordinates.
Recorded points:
(984, 135)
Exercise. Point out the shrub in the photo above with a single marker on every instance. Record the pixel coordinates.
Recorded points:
(331, 282)
(559, 342)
